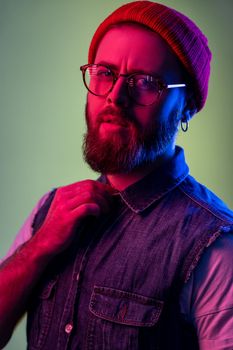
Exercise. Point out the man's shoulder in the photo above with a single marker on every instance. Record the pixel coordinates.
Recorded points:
(204, 198)
(42, 210)
(205, 219)
(25, 231)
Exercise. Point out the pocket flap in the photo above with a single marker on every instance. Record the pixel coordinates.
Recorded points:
(47, 290)
(124, 307)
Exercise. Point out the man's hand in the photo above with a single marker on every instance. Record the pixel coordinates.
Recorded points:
(20, 273)
(70, 205)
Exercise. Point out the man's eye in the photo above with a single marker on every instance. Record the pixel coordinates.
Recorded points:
(143, 82)
(103, 73)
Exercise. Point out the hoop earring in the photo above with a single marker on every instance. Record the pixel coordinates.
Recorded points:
(184, 125)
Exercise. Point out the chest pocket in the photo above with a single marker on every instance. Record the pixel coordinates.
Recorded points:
(122, 320)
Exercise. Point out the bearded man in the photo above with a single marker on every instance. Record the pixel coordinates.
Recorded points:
(142, 257)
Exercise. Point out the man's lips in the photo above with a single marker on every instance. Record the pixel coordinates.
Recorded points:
(110, 119)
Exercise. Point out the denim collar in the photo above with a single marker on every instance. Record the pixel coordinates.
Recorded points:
(156, 184)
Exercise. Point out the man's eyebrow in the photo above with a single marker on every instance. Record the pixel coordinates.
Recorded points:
(116, 68)
(110, 65)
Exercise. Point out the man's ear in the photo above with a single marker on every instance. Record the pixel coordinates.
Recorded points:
(190, 108)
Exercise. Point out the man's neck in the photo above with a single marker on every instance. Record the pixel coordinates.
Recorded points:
(123, 180)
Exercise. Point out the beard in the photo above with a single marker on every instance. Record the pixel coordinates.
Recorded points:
(115, 155)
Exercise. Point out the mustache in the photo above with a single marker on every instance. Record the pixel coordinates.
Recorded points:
(111, 114)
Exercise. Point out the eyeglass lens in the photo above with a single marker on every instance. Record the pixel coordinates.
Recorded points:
(142, 88)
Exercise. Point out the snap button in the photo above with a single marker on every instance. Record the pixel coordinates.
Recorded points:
(68, 328)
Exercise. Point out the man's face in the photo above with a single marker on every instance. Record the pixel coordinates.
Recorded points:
(121, 135)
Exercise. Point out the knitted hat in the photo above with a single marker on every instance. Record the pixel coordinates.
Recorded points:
(181, 34)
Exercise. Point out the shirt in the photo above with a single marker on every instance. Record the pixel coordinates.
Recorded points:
(206, 299)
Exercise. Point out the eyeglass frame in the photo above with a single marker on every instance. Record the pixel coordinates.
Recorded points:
(162, 86)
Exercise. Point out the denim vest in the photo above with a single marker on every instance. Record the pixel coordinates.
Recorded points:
(117, 286)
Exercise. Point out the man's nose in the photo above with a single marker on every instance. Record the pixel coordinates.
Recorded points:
(119, 94)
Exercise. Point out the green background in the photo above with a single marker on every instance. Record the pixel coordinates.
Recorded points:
(42, 45)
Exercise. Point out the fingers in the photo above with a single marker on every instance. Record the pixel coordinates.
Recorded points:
(102, 201)
(86, 185)
(70, 205)
(88, 192)
(84, 210)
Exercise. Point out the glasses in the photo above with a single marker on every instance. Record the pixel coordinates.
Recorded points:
(143, 88)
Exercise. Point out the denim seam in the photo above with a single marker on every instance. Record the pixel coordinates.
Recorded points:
(204, 205)
(117, 293)
(197, 253)
(128, 323)
(90, 336)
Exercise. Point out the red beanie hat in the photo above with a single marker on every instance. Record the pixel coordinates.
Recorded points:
(181, 34)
